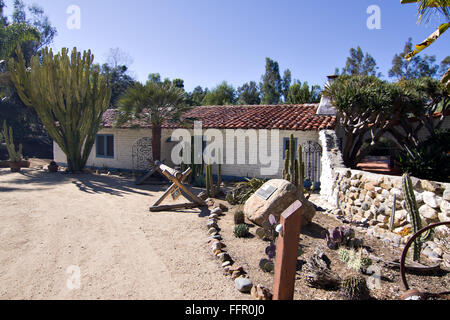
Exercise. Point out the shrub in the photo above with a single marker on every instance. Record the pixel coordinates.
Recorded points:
(244, 190)
(239, 217)
(430, 159)
(241, 231)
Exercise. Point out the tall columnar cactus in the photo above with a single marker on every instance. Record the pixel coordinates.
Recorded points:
(209, 185)
(69, 95)
(411, 207)
(294, 169)
(219, 170)
(301, 169)
(14, 156)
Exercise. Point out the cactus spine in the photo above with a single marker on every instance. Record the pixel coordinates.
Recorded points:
(14, 156)
(69, 95)
(411, 207)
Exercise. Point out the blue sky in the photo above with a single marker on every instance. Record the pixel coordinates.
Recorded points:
(207, 41)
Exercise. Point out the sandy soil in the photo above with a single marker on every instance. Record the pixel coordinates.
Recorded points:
(101, 224)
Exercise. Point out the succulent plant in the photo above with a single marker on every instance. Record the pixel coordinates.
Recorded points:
(261, 233)
(271, 250)
(239, 217)
(339, 236)
(14, 156)
(411, 207)
(241, 231)
(267, 265)
(355, 288)
(355, 260)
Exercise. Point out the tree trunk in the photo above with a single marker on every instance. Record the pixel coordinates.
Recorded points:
(156, 143)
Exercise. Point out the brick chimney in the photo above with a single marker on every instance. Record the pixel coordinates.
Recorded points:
(326, 108)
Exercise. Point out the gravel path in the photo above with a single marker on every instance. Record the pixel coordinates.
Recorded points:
(101, 225)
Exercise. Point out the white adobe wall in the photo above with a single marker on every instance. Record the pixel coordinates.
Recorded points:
(254, 170)
(125, 138)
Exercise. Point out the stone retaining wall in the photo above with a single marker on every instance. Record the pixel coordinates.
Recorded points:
(369, 198)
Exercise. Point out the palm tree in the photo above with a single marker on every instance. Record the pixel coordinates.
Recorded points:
(154, 103)
(427, 8)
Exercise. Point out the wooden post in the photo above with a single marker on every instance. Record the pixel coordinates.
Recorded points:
(287, 253)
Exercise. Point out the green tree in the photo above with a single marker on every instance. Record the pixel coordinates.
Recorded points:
(445, 65)
(368, 107)
(433, 97)
(195, 98)
(271, 86)
(154, 103)
(179, 83)
(286, 84)
(360, 63)
(69, 95)
(414, 68)
(119, 81)
(154, 77)
(301, 93)
(223, 94)
(248, 94)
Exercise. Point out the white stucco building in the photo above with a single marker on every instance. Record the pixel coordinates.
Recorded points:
(244, 130)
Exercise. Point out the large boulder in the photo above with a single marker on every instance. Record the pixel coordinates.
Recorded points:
(258, 210)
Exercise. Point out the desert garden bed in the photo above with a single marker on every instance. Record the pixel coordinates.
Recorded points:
(247, 252)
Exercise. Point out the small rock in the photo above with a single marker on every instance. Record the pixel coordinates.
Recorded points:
(445, 207)
(217, 211)
(244, 285)
(261, 293)
(438, 251)
(431, 199)
(213, 217)
(212, 224)
(381, 211)
(429, 186)
(236, 274)
(223, 207)
(217, 246)
(212, 231)
(226, 264)
(428, 212)
(223, 257)
(446, 195)
(202, 195)
(430, 253)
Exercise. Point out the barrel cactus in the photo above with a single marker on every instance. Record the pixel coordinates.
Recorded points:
(355, 288)
(239, 217)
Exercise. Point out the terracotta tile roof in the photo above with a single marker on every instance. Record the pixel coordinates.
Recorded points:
(283, 117)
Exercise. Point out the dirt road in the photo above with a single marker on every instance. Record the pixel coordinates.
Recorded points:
(53, 226)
